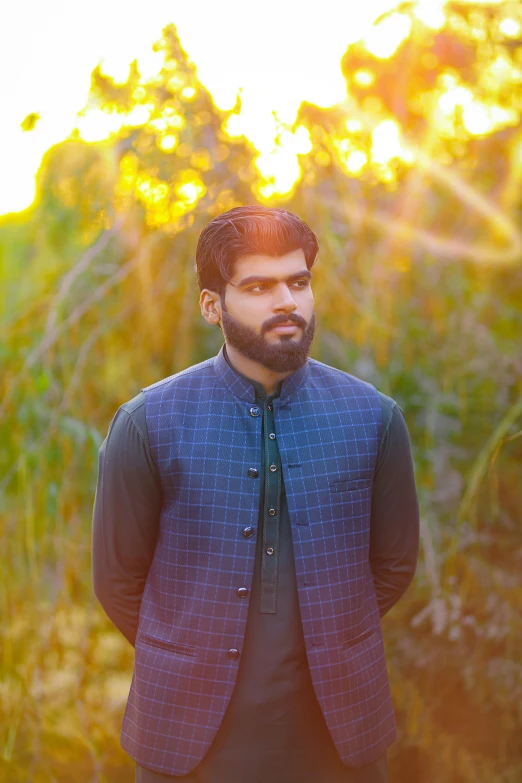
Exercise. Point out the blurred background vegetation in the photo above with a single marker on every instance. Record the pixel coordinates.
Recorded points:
(413, 186)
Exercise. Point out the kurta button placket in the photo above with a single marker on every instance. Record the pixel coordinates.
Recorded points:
(271, 505)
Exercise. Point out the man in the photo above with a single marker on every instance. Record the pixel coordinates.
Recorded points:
(255, 516)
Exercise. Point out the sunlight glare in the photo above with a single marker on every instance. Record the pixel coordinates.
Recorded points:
(229, 53)
(356, 161)
(364, 78)
(168, 143)
(510, 27)
(502, 116)
(191, 192)
(303, 142)
(501, 69)
(458, 96)
(386, 143)
(96, 125)
(280, 166)
(476, 119)
(431, 13)
(188, 93)
(352, 160)
(353, 125)
(148, 62)
(384, 39)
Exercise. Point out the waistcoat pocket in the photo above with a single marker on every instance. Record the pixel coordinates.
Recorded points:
(180, 649)
(346, 485)
(358, 639)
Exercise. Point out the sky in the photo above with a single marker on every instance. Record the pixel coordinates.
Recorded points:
(279, 53)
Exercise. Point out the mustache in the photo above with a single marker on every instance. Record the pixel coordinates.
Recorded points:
(283, 319)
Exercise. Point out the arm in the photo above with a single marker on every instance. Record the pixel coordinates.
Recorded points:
(126, 515)
(394, 533)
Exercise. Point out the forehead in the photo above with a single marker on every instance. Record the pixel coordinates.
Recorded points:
(269, 266)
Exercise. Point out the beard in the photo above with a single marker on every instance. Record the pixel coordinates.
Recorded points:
(285, 355)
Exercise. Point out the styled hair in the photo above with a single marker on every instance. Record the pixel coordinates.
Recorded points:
(249, 230)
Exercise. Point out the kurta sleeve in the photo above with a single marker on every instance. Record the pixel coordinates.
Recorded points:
(126, 514)
(394, 532)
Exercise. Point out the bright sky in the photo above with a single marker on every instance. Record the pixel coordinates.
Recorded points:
(280, 52)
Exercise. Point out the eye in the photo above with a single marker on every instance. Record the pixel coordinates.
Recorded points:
(258, 286)
(301, 283)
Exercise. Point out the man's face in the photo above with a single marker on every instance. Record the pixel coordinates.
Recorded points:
(264, 293)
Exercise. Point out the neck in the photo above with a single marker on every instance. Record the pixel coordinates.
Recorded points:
(257, 372)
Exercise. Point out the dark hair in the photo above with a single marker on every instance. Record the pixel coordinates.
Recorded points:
(245, 230)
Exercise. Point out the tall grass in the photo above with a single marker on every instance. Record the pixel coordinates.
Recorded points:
(418, 290)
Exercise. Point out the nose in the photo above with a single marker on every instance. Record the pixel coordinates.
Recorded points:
(285, 302)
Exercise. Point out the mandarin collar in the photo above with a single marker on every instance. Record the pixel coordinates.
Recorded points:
(245, 388)
(258, 386)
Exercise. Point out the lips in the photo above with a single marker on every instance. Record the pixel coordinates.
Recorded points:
(286, 328)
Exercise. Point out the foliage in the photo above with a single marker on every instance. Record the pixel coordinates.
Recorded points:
(418, 289)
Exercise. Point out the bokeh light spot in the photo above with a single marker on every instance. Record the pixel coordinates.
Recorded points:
(384, 38)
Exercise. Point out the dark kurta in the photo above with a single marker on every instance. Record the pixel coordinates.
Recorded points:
(273, 730)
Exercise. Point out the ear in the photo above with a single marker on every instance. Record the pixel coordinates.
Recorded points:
(210, 304)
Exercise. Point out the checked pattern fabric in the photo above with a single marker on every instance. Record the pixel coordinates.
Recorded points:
(205, 434)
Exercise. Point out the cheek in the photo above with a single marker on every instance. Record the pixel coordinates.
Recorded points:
(252, 312)
(306, 304)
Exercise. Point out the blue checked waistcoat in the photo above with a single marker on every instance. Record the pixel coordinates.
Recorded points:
(205, 433)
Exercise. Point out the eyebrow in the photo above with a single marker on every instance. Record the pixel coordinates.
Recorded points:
(259, 279)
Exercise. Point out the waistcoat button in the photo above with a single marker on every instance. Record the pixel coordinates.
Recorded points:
(253, 472)
(255, 411)
(247, 531)
(233, 653)
(272, 511)
(242, 592)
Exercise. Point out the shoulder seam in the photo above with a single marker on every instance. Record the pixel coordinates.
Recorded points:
(134, 406)
(389, 420)
(338, 371)
(188, 371)
(136, 426)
